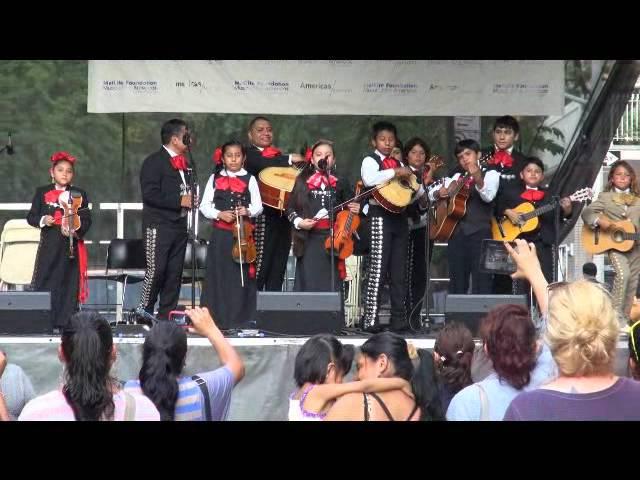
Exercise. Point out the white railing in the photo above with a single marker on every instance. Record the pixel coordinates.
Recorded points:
(629, 129)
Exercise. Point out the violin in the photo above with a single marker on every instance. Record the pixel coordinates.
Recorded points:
(70, 202)
(244, 245)
(346, 223)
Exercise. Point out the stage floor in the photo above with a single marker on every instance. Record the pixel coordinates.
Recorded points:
(263, 393)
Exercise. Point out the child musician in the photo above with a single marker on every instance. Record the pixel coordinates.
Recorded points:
(529, 189)
(389, 233)
(619, 201)
(230, 193)
(308, 211)
(465, 244)
(57, 269)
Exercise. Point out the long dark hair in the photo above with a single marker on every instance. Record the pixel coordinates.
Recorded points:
(314, 356)
(425, 385)
(163, 355)
(396, 350)
(455, 347)
(87, 345)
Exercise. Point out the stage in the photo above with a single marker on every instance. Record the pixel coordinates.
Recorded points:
(261, 395)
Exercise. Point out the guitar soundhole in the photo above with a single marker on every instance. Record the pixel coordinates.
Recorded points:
(618, 236)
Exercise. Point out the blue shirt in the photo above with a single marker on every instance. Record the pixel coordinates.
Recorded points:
(466, 405)
(190, 403)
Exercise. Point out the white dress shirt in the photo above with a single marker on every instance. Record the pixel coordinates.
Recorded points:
(487, 193)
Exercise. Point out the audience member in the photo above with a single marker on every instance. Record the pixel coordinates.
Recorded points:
(15, 387)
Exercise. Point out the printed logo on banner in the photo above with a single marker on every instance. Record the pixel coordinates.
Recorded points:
(271, 86)
(392, 88)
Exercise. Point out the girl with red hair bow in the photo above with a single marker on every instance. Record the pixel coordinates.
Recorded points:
(230, 191)
(66, 278)
(308, 212)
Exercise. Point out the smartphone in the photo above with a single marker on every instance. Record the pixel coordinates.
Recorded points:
(494, 258)
(180, 318)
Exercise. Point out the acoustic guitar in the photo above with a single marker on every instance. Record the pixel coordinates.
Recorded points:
(276, 184)
(447, 212)
(397, 193)
(506, 231)
(621, 236)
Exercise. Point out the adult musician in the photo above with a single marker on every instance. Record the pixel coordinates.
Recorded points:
(389, 232)
(164, 180)
(416, 153)
(231, 195)
(509, 163)
(273, 231)
(464, 247)
(56, 270)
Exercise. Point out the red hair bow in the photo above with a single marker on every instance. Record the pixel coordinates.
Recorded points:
(217, 156)
(502, 157)
(179, 162)
(270, 152)
(56, 157)
(308, 154)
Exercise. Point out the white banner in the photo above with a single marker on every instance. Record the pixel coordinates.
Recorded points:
(329, 87)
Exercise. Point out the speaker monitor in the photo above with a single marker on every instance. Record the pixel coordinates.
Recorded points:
(25, 313)
(300, 313)
(470, 309)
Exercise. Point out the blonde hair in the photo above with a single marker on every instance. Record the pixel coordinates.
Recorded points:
(582, 330)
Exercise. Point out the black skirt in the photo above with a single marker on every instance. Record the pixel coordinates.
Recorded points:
(231, 304)
(55, 272)
(313, 269)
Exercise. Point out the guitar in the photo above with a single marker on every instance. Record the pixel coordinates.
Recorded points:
(397, 193)
(276, 184)
(449, 211)
(506, 231)
(621, 236)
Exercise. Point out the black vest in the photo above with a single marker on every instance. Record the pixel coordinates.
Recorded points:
(226, 199)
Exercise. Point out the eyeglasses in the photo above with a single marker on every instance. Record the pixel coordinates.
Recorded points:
(633, 340)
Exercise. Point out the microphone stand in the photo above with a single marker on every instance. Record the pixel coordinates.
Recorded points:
(427, 252)
(556, 241)
(193, 231)
(332, 251)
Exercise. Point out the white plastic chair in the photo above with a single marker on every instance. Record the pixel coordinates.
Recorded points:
(18, 249)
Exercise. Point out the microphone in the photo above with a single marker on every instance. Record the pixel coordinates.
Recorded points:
(322, 163)
(10, 146)
(146, 315)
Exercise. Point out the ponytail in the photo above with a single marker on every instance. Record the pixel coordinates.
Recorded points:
(163, 356)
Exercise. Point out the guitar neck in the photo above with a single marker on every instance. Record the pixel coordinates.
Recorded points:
(539, 211)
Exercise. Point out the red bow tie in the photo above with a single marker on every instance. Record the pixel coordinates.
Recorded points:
(270, 152)
(502, 157)
(52, 196)
(532, 195)
(390, 162)
(317, 179)
(230, 183)
(179, 162)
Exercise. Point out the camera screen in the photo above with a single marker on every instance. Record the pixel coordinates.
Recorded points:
(496, 259)
(180, 318)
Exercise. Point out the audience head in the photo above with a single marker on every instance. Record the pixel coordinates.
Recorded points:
(87, 351)
(322, 359)
(453, 350)
(163, 358)
(582, 329)
(510, 342)
(589, 270)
